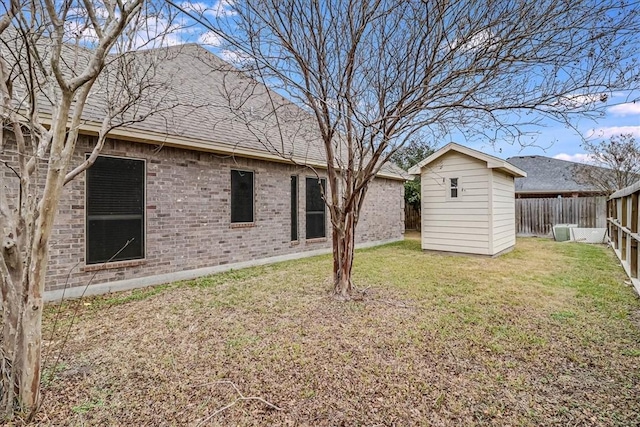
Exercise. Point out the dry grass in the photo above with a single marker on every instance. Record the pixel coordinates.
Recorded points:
(545, 335)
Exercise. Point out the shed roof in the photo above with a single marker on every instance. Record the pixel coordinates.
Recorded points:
(548, 175)
(492, 161)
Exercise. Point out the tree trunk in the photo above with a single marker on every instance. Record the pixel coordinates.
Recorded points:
(343, 251)
(23, 265)
(11, 313)
(30, 353)
(21, 349)
(21, 343)
(21, 336)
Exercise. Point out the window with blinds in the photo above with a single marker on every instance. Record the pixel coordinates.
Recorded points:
(315, 208)
(241, 196)
(294, 208)
(115, 210)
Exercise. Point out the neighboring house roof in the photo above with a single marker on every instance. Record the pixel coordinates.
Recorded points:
(492, 161)
(207, 104)
(548, 175)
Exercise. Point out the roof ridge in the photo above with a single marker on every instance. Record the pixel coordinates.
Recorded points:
(561, 160)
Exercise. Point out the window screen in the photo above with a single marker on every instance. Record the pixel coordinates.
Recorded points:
(241, 196)
(454, 188)
(315, 208)
(115, 210)
(294, 208)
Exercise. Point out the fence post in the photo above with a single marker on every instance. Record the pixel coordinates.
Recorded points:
(634, 230)
(623, 225)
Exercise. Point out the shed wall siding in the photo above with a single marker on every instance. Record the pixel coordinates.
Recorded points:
(188, 218)
(460, 225)
(503, 212)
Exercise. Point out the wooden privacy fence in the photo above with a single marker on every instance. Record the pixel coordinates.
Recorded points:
(622, 212)
(411, 217)
(536, 217)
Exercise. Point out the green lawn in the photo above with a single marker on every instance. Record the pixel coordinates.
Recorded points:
(548, 334)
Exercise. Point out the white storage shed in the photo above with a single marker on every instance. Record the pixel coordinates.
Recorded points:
(468, 201)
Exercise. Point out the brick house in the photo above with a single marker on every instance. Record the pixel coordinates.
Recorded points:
(198, 190)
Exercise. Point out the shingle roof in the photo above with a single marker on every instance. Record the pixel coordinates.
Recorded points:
(215, 103)
(548, 175)
(208, 104)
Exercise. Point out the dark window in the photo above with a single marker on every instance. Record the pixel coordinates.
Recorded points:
(454, 187)
(241, 196)
(315, 206)
(294, 208)
(115, 210)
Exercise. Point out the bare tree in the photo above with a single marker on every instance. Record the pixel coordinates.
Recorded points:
(371, 73)
(614, 164)
(56, 59)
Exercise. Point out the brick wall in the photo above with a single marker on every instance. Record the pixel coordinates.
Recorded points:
(188, 215)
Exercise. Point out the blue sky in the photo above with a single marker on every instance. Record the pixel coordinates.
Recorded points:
(622, 115)
(559, 141)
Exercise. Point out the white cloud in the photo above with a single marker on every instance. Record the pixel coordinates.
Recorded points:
(146, 33)
(608, 132)
(481, 38)
(578, 157)
(76, 32)
(216, 9)
(77, 27)
(628, 109)
(210, 38)
(619, 95)
(223, 8)
(234, 57)
(155, 32)
(195, 6)
(576, 101)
